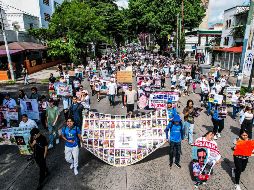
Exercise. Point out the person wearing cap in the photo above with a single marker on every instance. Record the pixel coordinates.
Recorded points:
(129, 99)
(171, 111)
(9, 102)
(176, 130)
(52, 114)
(39, 144)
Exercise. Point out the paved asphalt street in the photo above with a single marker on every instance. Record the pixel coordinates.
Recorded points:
(152, 173)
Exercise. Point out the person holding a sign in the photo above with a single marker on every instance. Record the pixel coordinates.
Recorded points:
(235, 100)
(243, 150)
(171, 111)
(9, 102)
(176, 130)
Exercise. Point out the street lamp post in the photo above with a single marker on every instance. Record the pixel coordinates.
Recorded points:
(6, 45)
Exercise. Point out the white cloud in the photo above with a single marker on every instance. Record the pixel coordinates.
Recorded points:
(217, 7)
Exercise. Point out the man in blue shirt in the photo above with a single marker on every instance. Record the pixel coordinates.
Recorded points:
(176, 130)
(171, 111)
(75, 111)
(71, 134)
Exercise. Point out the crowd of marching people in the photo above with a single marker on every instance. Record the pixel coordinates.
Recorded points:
(152, 73)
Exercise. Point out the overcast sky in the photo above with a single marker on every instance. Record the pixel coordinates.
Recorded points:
(217, 7)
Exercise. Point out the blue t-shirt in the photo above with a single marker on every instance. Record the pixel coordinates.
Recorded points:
(171, 113)
(176, 132)
(71, 134)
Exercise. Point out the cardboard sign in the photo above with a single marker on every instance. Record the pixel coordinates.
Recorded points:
(124, 76)
(31, 108)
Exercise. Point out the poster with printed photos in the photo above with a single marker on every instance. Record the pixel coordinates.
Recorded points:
(121, 141)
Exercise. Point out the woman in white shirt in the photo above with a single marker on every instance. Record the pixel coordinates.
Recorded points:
(247, 121)
(85, 100)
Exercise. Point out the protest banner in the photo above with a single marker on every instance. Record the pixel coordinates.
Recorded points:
(119, 140)
(124, 76)
(9, 117)
(205, 154)
(63, 89)
(31, 108)
(17, 136)
(218, 99)
(158, 100)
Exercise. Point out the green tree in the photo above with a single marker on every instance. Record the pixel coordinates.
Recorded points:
(73, 27)
(158, 17)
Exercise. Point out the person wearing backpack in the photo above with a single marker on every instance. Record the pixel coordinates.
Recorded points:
(71, 134)
(75, 111)
(176, 130)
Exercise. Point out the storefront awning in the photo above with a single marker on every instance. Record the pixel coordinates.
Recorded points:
(24, 46)
(231, 49)
(12, 52)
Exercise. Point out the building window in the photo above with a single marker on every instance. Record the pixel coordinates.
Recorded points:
(226, 41)
(46, 2)
(31, 25)
(46, 17)
(229, 23)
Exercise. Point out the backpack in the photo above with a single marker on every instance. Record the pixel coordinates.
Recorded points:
(76, 128)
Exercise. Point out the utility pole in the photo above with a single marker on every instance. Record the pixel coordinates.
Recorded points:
(177, 35)
(6, 45)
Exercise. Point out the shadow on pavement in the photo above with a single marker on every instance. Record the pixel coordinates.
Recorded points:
(208, 128)
(227, 166)
(235, 130)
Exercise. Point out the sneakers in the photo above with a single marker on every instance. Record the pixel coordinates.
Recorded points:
(71, 166)
(122, 107)
(233, 173)
(219, 135)
(170, 165)
(237, 187)
(215, 137)
(76, 171)
(50, 146)
(177, 165)
(57, 141)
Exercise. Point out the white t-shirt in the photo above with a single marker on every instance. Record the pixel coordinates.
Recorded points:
(130, 96)
(30, 123)
(86, 102)
(112, 88)
(223, 82)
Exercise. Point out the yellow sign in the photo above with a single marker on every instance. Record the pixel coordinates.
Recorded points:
(124, 76)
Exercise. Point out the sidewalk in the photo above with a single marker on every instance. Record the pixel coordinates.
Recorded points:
(38, 77)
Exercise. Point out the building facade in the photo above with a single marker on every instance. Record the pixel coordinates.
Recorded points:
(234, 21)
(42, 9)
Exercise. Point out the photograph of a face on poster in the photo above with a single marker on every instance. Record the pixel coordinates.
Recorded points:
(121, 141)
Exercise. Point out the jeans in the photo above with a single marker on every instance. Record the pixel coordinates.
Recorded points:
(218, 125)
(188, 131)
(52, 134)
(235, 111)
(209, 107)
(111, 99)
(174, 147)
(240, 165)
(71, 155)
